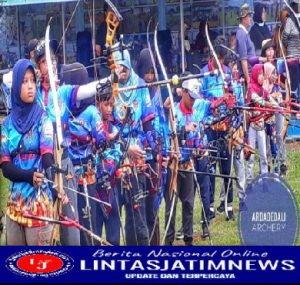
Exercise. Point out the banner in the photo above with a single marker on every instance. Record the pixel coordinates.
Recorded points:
(150, 265)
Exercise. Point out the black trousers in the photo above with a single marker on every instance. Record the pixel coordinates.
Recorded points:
(186, 194)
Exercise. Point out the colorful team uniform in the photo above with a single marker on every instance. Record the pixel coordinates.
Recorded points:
(25, 152)
(141, 111)
(197, 139)
(86, 130)
(67, 100)
(212, 89)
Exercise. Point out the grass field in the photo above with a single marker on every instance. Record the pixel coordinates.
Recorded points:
(223, 233)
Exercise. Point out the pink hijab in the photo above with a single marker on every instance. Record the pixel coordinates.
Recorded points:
(268, 69)
(254, 86)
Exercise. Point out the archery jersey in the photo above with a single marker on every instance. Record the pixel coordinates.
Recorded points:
(67, 96)
(237, 90)
(192, 140)
(141, 111)
(25, 152)
(112, 155)
(86, 130)
(212, 89)
(160, 124)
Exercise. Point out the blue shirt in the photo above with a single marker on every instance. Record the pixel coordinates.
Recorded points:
(86, 130)
(141, 111)
(244, 47)
(25, 152)
(67, 102)
(196, 139)
(212, 88)
(160, 123)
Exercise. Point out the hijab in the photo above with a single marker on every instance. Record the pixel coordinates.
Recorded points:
(268, 70)
(23, 115)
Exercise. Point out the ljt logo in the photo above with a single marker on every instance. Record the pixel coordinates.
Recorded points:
(40, 263)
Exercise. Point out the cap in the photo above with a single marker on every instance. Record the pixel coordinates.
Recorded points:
(32, 44)
(245, 11)
(40, 49)
(193, 87)
(265, 45)
(122, 58)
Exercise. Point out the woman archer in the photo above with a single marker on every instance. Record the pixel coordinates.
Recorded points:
(27, 150)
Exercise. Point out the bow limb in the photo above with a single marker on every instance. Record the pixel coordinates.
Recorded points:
(214, 53)
(162, 135)
(174, 140)
(287, 87)
(58, 150)
(223, 78)
(113, 20)
(67, 222)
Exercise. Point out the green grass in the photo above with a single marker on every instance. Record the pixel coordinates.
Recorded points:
(3, 192)
(222, 232)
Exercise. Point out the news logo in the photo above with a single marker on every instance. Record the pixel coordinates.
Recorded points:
(39, 263)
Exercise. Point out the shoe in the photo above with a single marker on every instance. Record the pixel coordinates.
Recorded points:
(179, 235)
(188, 241)
(168, 243)
(283, 170)
(211, 214)
(242, 206)
(230, 215)
(221, 208)
(205, 233)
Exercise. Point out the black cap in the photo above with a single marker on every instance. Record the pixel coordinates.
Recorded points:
(265, 45)
(32, 44)
(40, 49)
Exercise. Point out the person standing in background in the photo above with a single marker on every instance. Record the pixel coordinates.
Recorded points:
(291, 39)
(100, 42)
(259, 31)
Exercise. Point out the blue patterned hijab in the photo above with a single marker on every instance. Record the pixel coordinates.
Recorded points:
(23, 115)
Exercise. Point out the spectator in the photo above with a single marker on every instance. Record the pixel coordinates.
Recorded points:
(259, 31)
(244, 45)
(291, 39)
(100, 42)
(201, 42)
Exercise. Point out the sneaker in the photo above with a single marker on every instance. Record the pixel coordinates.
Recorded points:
(188, 241)
(205, 233)
(211, 214)
(221, 208)
(179, 234)
(283, 170)
(230, 215)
